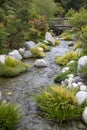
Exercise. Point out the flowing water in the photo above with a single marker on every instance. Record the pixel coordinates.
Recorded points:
(23, 88)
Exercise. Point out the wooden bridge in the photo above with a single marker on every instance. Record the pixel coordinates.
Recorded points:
(60, 23)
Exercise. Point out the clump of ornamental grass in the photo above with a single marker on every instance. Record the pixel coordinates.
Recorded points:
(9, 116)
(12, 67)
(45, 47)
(63, 60)
(37, 53)
(59, 103)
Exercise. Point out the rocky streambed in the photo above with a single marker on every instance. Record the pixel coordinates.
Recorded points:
(21, 90)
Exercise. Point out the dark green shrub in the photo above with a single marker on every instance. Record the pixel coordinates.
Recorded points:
(59, 103)
(9, 116)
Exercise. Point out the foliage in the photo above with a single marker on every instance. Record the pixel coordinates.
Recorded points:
(59, 103)
(72, 70)
(38, 27)
(37, 53)
(70, 12)
(63, 60)
(83, 71)
(68, 37)
(9, 116)
(79, 19)
(11, 68)
(11, 61)
(77, 45)
(57, 42)
(45, 47)
(44, 7)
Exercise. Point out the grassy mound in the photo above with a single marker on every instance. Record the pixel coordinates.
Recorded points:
(12, 67)
(59, 103)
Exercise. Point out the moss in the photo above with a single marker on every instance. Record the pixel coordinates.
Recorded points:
(59, 103)
(68, 37)
(63, 60)
(37, 53)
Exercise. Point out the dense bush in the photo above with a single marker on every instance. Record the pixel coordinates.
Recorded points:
(45, 47)
(37, 53)
(63, 60)
(12, 67)
(38, 27)
(59, 103)
(9, 116)
(72, 70)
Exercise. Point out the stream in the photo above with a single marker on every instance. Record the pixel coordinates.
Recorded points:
(22, 89)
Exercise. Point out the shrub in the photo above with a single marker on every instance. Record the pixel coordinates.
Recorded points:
(78, 45)
(83, 72)
(45, 47)
(37, 53)
(9, 116)
(72, 70)
(8, 71)
(57, 42)
(11, 61)
(59, 103)
(68, 37)
(63, 60)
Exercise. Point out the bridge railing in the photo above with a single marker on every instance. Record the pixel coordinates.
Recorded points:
(63, 22)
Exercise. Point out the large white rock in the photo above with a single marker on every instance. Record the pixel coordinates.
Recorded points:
(81, 97)
(82, 62)
(70, 75)
(27, 54)
(41, 63)
(29, 44)
(50, 38)
(83, 88)
(2, 59)
(74, 85)
(15, 54)
(84, 115)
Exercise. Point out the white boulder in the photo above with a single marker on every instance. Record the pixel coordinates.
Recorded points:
(50, 38)
(27, 54)
(74, 85)
(41, 63)
(81, 97)
(2, 59)
(82, 62)
(84, 115)
(83, 88)
(15, 54)
(70, 75)
(29, 44)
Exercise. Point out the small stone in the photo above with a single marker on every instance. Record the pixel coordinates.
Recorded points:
(83, 88)
(4, 101)
(65, 69)
(80, 83)
(72, 61)
(81, 97)
(70, 44)
(9, 93)
(70, 75)
(74, 85)
(41, 63)
(77, 79)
